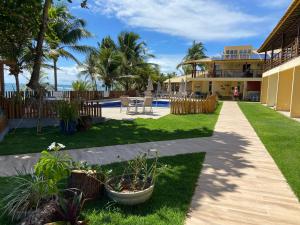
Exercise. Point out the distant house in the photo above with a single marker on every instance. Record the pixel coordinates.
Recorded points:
(238, 66)
(281, 78)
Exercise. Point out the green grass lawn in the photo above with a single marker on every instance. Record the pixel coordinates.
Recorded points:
(168, 205)
(281, 136)
(113, 132)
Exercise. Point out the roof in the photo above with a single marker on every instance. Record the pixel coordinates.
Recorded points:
(178, 79)
(253, 57)
(287, 25)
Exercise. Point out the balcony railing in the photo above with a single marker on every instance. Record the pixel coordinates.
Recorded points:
(231, 73)
(287, 53)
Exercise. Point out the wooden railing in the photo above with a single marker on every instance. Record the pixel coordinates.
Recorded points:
(237, 73)
(287, 53)
(28, 108)
(181, 106)
(71, 95)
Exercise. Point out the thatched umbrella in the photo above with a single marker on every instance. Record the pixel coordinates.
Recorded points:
(182, 87)
(158, 88)
(169, 86)
(150, 85)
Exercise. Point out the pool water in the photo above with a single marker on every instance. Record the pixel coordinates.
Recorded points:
(118, 104)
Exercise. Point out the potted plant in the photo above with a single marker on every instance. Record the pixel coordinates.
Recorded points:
(89, 179)
(137, 182)
(68, 113)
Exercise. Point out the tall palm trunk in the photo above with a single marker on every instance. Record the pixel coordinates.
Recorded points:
(17, 82)
(55, 73)
(35, 75)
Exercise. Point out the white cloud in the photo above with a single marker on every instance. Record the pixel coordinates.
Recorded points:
(192, 19)
(167, 62)
(65, 75)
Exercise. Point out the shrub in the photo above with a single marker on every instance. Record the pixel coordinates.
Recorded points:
(28, 193)
(53, 165)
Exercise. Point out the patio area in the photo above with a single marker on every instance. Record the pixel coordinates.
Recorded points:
(114, 113)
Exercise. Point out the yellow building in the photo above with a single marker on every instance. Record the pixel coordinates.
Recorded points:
(281, 78)
(239, 66)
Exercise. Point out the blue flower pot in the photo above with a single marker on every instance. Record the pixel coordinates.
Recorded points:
(68, 128)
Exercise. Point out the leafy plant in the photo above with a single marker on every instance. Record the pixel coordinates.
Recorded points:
(28, 193)
(68, 111)
(70, 208)
(140, 173)
(53, 165)
(82, 85)
(102, 174)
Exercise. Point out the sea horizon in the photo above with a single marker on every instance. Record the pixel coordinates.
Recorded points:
(60, 87)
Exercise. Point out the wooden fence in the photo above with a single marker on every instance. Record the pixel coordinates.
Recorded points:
(28, 108)
(71, 95)
(181, 106)
(3, 123)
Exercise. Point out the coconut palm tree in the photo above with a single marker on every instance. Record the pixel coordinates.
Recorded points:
(109, 63)
(63, 35)
(81, 85)
(195, 52)
(89, 69)
(134, 54)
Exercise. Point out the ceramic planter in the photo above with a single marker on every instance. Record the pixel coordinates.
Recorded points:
(68, 128)
(129, 197)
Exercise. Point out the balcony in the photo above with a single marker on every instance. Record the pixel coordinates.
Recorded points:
(257, 73)
(286, 54)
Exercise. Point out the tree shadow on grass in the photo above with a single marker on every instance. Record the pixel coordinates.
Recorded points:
(225, 158)
(171, 196)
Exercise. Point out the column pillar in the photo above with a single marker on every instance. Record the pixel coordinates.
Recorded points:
(295, 103)
(285, 81)
(193, 86)
(272, 90)
(245, 90)
(264, 90)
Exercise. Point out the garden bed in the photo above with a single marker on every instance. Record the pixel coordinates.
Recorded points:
(164, 207)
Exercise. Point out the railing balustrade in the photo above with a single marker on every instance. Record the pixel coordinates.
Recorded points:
(289, 52)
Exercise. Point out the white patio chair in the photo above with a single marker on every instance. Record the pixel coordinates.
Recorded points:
(147, 103)
(125, 102)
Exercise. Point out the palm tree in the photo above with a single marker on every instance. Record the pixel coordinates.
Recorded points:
(63, 34)
(195, 52)
(89, 69)
(107, 42)
(134, 54)
(81, 85)
(109, 64)
(20, 57)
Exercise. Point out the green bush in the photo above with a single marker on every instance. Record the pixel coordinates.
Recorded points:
(53, 165)
(27, 195)
(68, 111)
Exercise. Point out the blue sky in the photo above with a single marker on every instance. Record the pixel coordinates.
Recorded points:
(169, 26)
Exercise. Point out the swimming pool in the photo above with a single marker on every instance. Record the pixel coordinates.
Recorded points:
(111, 104)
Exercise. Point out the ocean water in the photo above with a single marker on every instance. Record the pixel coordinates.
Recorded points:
(61, 87)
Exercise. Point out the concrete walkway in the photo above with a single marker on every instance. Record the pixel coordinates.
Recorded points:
(239, 183)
